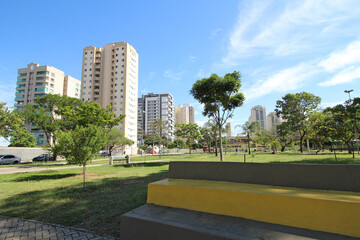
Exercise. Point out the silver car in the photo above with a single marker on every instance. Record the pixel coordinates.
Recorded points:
(9, 159)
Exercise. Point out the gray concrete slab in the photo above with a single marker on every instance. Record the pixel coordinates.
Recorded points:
(341, 177)
(162, 223)
(15, 228)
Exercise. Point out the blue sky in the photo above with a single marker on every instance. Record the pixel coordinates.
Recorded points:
(279, 47)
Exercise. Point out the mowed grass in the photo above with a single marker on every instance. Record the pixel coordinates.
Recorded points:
(57, 195)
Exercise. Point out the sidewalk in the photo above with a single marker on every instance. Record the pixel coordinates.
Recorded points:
(15, 228)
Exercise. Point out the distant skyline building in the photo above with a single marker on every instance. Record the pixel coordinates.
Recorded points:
(184, 114)
(110, 77)
(36, 81)
(258, 114)
(272, 120)
(228, 129)
(152, 107)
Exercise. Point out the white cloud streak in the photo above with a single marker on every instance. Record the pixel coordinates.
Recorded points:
(346, 76)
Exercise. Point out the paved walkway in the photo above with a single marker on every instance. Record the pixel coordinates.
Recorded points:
(19, 229)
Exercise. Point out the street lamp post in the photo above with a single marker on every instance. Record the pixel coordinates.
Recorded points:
(355, 132)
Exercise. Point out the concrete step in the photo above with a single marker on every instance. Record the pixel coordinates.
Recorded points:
(335, 212)
(153, 222)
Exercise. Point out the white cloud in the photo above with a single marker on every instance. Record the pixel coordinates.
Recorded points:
(214, 33)
(144, 91)
(201, 123)
(350, 55)
(172, 75)
(283, 81)
(285, 28)
(7, 94)
(192, 58)
(345, 76)
(202, 74)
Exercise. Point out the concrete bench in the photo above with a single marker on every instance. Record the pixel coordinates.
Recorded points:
(318, 201)
(119, 158)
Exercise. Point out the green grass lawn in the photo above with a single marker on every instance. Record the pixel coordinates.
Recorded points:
(57, 195)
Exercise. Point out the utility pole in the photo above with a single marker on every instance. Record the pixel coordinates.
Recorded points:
(355, 132)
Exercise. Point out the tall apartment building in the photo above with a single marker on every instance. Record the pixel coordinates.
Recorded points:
(258, 114)
(36, 81)
(110, 77)
(184, 114)
(152, 107)
(228, 129)
(272, 120)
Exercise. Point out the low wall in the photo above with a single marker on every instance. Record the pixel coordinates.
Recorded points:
(342, 177)
(26, 154)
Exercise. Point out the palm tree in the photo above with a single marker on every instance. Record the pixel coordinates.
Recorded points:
(249, 129)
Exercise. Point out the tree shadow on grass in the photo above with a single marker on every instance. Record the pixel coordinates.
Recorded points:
(44, 177)
(97, 209)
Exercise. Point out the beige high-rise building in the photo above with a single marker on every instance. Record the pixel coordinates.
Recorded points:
(272, 120)
(228, 130)
(184, 114)
(110, 77)
(36, 81)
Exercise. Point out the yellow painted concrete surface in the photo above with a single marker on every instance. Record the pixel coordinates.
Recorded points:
(328, 211)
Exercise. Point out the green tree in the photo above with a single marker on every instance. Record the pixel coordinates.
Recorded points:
(275, 145)
(22, 138)
(249, 129)
(220, 97)
(214, 129)
(296, 109)
(81, 144)
(54, 113)
(117, 139)
(286, 136)
(158, 132)
(190, 132)
(177, 143)
(12, 128)
(206, 137)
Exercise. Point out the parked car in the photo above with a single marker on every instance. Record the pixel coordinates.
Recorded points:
(43, 157)
(9, 159)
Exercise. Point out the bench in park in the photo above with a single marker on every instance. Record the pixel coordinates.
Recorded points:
(227, 200)
(119, 158)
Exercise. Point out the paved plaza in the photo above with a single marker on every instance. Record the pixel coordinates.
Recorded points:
(15, 228)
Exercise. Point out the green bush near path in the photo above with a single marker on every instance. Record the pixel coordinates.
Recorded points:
(57, 196)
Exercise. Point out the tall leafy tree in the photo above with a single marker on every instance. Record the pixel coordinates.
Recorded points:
(206, 137)
(21, 137)
(296, 109)
(158, 133)
(220, 97)
(190, 132)
(54, 113)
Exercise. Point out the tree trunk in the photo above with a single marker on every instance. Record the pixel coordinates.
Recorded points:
(216, 146)
(349, 147)
(301, 142)
(84, 168)
(282, 148)
(249, 143)
(221, 146)
(308, 145)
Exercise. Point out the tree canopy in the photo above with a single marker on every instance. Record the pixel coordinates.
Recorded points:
(190, 132)
(220, 97)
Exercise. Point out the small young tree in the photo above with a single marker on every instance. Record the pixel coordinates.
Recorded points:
(220, 97)
(117, 139)
(81, 144)
(275, 145)
(191, 132)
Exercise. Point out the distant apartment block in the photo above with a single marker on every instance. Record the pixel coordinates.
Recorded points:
(36, 81)
(152, 107)
(272, 120)
(184, 114)
(110, 77)
(228, 130)
(258, 114)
